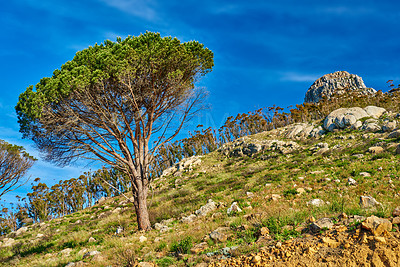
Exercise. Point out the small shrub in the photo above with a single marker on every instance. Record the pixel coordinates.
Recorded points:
(182, 247)
(165, 262)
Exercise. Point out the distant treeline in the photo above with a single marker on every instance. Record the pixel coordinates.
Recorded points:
(72, 195)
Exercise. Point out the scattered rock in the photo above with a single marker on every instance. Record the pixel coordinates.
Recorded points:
(300, 190)
(396, 212)
(365, 174)
(396, 220)
(368, 202)
(249, 194)
(8, 242)
(394, 134)
(321, 224)
(316, 202)
(375, 150)
(219, 235)
(234, 208)
(210, 206)
(142, 239)
(377, 226)
(389, 126)
(196, 249)
(119, 230)
(188, 219)
(91, 239)
(275, 197)
(21, 230)
(145, 264)
(101, 200)
(330, 242)
(90, 254)
(65, 252)
(351, 181)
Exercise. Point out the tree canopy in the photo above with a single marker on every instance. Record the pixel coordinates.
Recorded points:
(110, 99)
(14, 164)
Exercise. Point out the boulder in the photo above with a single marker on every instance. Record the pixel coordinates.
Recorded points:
(394, 134)
(375, 112)
(142, 239)
(344, 117)
(350, 118)
(336, 83)
(389, 126)
(368, 202)
(375, 149)
(377, 226)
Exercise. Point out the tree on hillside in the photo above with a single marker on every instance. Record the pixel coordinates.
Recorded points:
(14, 164)
(117, 102)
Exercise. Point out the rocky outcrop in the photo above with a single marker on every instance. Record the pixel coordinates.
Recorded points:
(343, 118)
(185, 165)
(336, 83)
(246, 147)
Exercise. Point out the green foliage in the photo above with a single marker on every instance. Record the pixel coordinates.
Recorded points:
(183, 246)
(165, 262)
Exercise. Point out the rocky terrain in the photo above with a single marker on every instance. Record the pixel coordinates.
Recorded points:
(321, 193)
(337, 82)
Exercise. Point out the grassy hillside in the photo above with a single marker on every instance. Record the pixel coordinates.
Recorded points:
(273, 188)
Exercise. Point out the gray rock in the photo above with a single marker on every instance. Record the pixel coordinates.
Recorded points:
(365, 174)
(351, 181)
(101, 200)
(8, 242)
(375, 112)
(234, 208)
(342, 118)
(70, 264)
(368, 202)
(21, 230)
(90, 253)
(321, 224)
(375, 150)
(188, 219)
(65, 252)
(219, 235)
(394, 134)
(371, 127)
(316, 202)
(91, 239)
(337, 82)
(210, 206)
(119, 230)
(161, 227)
(389, 126)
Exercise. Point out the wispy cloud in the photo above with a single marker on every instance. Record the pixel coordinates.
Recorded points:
(298, 77)
(138, 8)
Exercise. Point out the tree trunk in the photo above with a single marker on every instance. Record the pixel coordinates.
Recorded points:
(142, 213)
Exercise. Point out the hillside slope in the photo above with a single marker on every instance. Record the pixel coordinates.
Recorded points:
(279, 197)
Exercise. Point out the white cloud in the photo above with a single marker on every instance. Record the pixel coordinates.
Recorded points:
(298, 77)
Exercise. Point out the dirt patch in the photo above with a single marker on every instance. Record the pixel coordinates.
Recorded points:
(340, 246)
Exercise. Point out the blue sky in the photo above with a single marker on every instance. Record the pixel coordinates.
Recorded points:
(265, 52)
